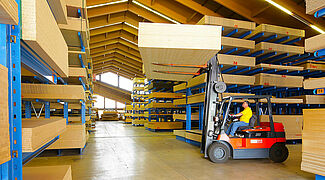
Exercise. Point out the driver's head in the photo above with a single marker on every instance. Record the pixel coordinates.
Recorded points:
(245, 104)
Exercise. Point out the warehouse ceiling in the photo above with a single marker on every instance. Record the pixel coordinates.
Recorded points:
(114, 24)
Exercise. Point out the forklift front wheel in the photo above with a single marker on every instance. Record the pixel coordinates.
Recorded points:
(218, 152)
(279, 152)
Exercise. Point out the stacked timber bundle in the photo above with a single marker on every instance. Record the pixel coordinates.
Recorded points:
(139, 97)
(313, 144)
(109, 116)
(56, 32)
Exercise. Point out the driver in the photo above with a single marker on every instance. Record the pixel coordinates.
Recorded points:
(245, 115)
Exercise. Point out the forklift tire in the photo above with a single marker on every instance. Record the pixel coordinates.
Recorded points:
(279, 152)
(218, 152)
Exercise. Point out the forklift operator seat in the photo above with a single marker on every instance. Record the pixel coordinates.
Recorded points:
(251, 124)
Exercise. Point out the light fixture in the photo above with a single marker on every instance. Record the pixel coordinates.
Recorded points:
(106, 4)
(295, 16)
(317, 28)
(280, 7)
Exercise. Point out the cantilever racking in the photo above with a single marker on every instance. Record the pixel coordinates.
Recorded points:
(139, 95)
(16, 52)
(274, 54)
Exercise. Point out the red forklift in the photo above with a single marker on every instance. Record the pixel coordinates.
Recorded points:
(258, 140)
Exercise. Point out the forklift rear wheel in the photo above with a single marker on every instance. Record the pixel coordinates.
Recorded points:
(279, 152)
(218, 152)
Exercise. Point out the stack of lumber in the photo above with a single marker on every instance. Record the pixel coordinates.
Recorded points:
(313, 144)
(169, 43)
(52, 92)
(73, 137)
(194, 135)
(194, 117)
(128, 114)
(314, 5)
(109, 116)
(8, 12)
(314, 83)
(41, 34)
(38, 132)
(62, 172)
(292, 124)
(164, 125)
(4, 118)
(278, 80)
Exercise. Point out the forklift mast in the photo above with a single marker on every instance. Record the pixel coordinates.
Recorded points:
(214, 85)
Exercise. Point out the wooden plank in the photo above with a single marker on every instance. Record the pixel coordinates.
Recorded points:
(313, 146)
(196, 80)
(59, 10)
(73, 137)
(279, 67)
(139, 122)
(280, 31)
(37, 132)
(8, 12)
(181, 101)
(314, 5)
(233, 60)
(229, 43)
(313, 65)
(193, 136)
(165, 125)
(71, 29)
(314, 83)
(238, 79)
(179, 87)
(179, 133)
(61, 172)
(268, 47)
(77, 72)
(278, 80)
(160, 105)
(165, 95)
(312, 99)
(4, 118)
(42, 34)
(228, 24)
(292, 124)
(315, 43)
(52, 92)
(194, 116)
(176, 44)
(196, 98)
(74, 60)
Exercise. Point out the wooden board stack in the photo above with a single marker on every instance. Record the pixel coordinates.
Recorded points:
(313, 145)
(38, 132)
(62, 172)
(4, 118)
(161, 44)
(109, 116)
(292, 124)
(74, 137)
(139, 96)
(8, 12)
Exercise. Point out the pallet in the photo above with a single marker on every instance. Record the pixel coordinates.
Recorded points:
(63, 152)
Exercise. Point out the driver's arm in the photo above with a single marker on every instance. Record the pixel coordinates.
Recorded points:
(238, 115)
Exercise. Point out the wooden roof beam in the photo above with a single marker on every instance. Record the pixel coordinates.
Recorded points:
(103, 61)
(110, 19)
(119, 65)
(198, 7)
(118, 55)
(117, 70)
(116, 46)
(115, 27)
(109, 9)
(117, 51)
(113, 35)
(173, 10)
(114, 41)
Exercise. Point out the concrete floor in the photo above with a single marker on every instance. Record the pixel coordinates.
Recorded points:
(119, 151)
